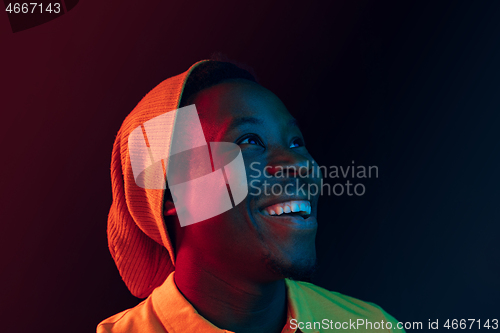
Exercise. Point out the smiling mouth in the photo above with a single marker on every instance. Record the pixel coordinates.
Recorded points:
(289, 208)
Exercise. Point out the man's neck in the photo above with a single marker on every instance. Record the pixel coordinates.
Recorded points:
(230, 302)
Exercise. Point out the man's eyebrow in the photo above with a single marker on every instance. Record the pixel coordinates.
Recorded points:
(240, 121)
(256, 121)
(294, 122)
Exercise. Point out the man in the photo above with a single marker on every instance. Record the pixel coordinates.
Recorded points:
(237, 271)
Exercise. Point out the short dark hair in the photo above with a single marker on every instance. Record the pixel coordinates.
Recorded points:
(209, 74)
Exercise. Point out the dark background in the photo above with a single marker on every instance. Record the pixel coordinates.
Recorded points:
(410, 87)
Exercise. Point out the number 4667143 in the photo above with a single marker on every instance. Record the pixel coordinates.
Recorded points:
(33, 7)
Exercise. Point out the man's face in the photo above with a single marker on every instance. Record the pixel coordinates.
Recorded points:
(251, 239)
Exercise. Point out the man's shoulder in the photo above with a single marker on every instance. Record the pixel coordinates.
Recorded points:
(140, 318)
(322, 303)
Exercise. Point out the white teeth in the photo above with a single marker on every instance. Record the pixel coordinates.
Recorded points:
(296, 206)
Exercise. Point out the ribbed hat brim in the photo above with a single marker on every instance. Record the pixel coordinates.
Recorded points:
(137, 236)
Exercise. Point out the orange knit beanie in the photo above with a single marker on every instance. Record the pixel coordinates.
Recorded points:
(137, 236)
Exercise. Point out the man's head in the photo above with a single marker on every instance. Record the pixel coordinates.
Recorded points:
(251, 240)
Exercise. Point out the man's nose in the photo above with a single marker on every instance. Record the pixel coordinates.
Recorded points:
(290, 164)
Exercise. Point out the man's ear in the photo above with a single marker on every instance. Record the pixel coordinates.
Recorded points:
(169, 209)
(174, 229)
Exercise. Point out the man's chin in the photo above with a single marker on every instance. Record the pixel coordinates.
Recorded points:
(300, 269)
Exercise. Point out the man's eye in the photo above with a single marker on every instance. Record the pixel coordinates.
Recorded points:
(298, 142)
(251, 140)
